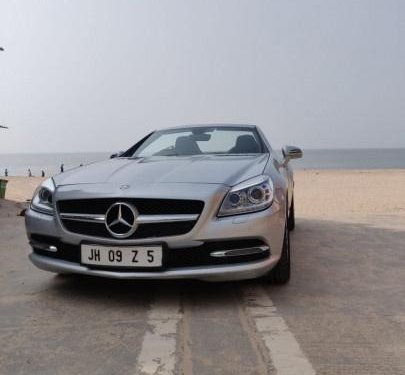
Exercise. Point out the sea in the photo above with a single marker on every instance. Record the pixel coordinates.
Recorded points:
(18, 164)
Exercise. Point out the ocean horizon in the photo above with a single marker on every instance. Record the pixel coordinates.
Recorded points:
(18, 164)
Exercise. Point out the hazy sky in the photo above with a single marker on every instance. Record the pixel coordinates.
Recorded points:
(97, 75)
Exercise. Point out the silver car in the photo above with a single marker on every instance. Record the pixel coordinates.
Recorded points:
(208, 202)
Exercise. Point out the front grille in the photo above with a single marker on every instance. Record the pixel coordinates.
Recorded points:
(144, 207)
(172, 258)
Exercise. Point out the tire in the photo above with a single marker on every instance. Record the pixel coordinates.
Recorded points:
(280, 274)
(291, 217)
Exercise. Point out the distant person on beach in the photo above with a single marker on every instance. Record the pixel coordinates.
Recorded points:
(62, 168)
(6, 172)
(29, 172)
(42, 173)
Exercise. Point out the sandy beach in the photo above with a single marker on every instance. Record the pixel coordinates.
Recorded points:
(344, 194)
(333, 194)
(20, 189)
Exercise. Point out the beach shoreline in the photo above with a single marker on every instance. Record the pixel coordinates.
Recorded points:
(352, 158)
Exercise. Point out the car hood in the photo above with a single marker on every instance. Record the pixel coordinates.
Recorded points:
(206, 169)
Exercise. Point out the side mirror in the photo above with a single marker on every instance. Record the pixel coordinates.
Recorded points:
(291, 152)
(116, 155)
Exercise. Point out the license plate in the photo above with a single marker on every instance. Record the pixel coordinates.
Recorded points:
(125, 256)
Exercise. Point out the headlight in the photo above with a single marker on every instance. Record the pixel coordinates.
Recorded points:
(42, 201)
(252, 195)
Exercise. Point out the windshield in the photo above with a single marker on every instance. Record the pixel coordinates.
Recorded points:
(202, 141)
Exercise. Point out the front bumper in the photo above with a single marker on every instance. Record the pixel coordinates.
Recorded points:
(248, 270)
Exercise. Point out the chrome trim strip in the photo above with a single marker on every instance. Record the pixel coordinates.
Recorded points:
(90, 218)
(150, 219)
(141, 219)
(239, 252)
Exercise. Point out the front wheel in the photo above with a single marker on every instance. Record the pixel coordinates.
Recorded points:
(280, 274)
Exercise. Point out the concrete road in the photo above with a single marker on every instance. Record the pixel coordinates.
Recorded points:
(342, 313)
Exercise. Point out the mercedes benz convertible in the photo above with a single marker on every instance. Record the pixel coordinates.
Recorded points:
(208, 202)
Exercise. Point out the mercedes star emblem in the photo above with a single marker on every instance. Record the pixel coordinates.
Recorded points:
(120, 219)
